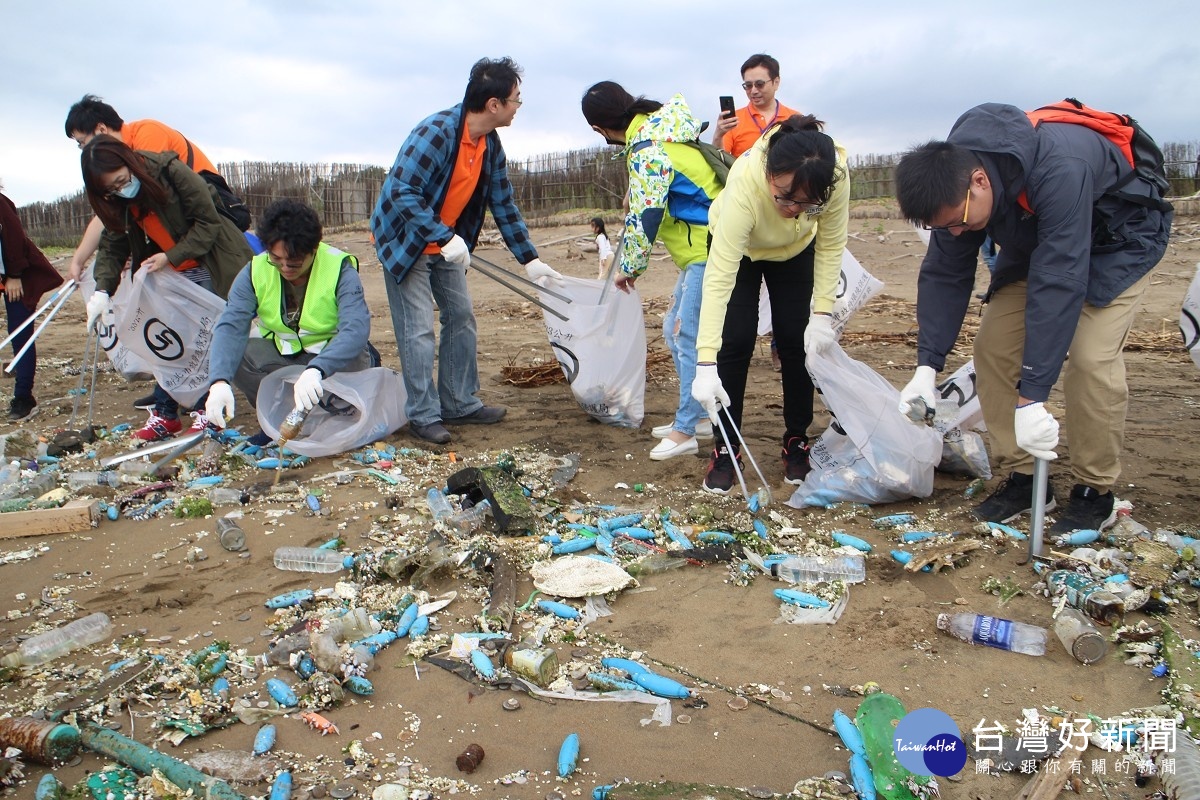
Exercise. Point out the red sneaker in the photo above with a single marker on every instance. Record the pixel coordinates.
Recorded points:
(199, 422)
(157, 428)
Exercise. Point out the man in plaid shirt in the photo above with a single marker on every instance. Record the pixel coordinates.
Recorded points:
(449, 171)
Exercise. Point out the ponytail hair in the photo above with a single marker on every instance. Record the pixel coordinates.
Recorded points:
(608, 105)
(801, 149)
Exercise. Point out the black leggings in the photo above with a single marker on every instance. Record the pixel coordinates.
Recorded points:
(790, 288)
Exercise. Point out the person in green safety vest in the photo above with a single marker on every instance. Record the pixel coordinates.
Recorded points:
(310, 309)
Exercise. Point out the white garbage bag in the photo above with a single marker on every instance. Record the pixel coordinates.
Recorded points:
(357, 408)
(855, 287)
(601, 349)
(1189, 319)
(128, 365)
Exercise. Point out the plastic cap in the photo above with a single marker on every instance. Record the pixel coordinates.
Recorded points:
(943, 622)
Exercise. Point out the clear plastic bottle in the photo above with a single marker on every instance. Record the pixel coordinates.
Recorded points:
(1003, 634)
(279, 651)
(309, 559)
(355, 624)
(83, 480)
(230, 534)
(1172, 539)
(439, 505)
(52, 644)
(470, 519)
(226, 496)
(814, 569)
(10, 473)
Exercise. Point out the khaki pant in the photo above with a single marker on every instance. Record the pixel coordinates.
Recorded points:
(1093, 383)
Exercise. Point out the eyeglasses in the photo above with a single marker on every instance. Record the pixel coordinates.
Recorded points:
(748, 85)
(953, 225)
(114, 188)
(807, 206)
(290, 263)
(517, 100)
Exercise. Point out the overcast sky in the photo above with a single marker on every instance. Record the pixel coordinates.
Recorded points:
(306, 81)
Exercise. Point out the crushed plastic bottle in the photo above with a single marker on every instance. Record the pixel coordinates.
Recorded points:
(82, 480)
(51, 645)
(816, 569)
(311, 559)
(470, 519)
(1003, 634)
(439, 505)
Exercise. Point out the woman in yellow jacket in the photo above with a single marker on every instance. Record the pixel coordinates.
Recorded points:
(782, 218)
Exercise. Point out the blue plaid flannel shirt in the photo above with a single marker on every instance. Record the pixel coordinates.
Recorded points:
(405, 218)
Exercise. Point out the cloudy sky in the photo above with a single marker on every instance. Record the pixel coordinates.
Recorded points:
(299, 80)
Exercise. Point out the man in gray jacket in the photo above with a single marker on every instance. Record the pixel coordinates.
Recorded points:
(1073, 264)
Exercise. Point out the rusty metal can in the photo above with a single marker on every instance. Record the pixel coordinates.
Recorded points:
(469, 759)
(39, 740)
(539, 664)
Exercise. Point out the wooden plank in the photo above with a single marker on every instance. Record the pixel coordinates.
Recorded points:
(77, 515)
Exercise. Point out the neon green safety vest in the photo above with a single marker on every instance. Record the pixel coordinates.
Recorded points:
(318, 314)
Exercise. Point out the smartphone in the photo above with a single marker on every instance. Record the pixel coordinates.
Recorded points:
(727, 108)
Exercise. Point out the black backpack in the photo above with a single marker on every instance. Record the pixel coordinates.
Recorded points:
(231, 206)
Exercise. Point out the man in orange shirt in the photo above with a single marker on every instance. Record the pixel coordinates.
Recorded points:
(92, 116)
(760, 78)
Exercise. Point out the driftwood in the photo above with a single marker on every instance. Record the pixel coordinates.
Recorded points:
(942, 555)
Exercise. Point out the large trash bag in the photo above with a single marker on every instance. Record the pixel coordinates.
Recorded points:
(870, 453)
(1189, 318)
(169, 322)
(959, 417)
(855, 287)
(601, 349)
(127, 364)
(357, 408)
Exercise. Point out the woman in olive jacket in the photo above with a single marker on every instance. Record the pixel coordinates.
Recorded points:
(159, 214)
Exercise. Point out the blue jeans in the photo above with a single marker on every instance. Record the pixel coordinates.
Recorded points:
(679, 332)
(17, 314)
(434, 279)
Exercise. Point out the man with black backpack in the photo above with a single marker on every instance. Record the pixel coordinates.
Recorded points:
(1080, 223)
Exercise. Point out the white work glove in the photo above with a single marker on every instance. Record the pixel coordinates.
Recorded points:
(455, 251)
(708, 391)
(219, 406)
(541, 274)
(923, 387)
(307, 391)
(1036, 430)
(97, 307)
(819, 336)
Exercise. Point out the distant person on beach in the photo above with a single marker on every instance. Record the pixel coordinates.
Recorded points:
(308, 302)
(450, 171)
(671, 187)
(25, 275)
(1079, 233)
(161, 215)
(602, 246)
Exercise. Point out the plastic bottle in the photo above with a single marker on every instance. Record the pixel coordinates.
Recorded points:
(439, 504)
(10, 473)
(470, 519)
(1079, 636)
(230, 534)
(83, 480)
(1003, 634)
(310, 559)
(1087, 595)
(36, 486)
(1126, 527)
(292, 424)
(52, 644)
(355, 624)
(1172, 539)
(814, 569)
(225, 496)
(280, 651)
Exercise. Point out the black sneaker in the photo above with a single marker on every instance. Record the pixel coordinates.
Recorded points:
(1012, 498)
(1087, 510)
(721, 475)
(146, 403)
(795, 460)
(21, 408)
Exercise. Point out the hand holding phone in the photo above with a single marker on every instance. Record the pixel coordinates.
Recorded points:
(727, 107)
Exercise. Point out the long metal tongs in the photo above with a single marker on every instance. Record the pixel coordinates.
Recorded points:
(494, 272)
(764, 494)
(91, 364)
(58, 298)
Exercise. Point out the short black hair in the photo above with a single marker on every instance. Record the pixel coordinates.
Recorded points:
(293, 223)
(761, 60)
(491, 78)
(931, 177)
(89, 112)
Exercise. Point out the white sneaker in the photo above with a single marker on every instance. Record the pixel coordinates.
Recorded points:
(703, 430)
(668, 449)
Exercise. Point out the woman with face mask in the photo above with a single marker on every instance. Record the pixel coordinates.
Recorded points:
(158, 214)
(782, 218)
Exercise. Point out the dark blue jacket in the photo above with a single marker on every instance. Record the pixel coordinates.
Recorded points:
(405, 218)
(1080, 244)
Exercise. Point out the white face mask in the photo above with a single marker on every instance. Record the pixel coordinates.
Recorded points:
(130, 190)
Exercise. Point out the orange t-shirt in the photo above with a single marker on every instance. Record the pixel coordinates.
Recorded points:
(158, 233)
(468, 166)
(149, 134)
(752, 125)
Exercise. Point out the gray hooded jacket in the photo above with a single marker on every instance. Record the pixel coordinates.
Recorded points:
(1080, 244)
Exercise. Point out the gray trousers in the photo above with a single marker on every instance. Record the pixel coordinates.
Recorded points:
(262, 358)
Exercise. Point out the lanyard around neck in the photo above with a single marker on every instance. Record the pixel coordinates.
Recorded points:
(761, 128)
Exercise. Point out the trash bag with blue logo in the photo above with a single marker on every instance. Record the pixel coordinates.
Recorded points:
(357, 408)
